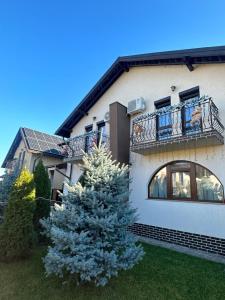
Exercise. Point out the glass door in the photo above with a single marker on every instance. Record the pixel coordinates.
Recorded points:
(163, 118)
(101, 136)
(88, 138)
(191, 111)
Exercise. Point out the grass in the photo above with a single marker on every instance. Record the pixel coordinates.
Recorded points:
(162, 274)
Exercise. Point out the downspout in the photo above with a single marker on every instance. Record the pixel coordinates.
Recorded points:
(71, 165)
(35, 162)
(71, 171)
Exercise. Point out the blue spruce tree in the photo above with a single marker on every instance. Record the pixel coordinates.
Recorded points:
(89, 231)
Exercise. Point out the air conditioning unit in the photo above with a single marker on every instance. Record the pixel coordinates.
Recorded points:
(136, 106)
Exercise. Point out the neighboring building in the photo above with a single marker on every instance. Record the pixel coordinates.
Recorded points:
(29, 146)
(174, 143)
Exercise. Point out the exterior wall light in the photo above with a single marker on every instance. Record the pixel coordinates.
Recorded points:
(173, 88)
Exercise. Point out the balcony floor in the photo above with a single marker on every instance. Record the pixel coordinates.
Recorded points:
(202, 139)
(74, 159)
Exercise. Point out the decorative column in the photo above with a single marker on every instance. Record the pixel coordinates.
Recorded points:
(119, 132)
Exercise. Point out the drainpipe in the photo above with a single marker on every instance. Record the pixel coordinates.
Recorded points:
(35, 162)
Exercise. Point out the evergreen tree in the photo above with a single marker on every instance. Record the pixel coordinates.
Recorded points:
(6, 186)
(16, 232)
(89, 231)
(43, 192)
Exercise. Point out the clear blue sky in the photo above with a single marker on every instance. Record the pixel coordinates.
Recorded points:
(53, 52)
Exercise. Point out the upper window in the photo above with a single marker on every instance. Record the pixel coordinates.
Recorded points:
(182, 180)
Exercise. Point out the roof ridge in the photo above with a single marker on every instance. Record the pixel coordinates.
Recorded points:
(176, 51)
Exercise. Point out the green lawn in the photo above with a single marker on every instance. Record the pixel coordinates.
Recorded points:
(162, 274)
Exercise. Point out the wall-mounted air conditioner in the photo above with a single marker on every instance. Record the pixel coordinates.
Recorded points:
(136, 106)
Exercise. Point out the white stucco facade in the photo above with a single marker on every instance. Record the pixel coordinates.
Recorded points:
(153, 83)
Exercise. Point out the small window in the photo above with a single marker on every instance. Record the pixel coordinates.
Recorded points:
(88, 128)
(158, 186)
(23, 158)
(184, 180)
(208, 186)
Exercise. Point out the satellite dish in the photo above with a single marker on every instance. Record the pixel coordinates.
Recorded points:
(107, 116)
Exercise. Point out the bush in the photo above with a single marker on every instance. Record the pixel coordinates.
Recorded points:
(17, 232)
(6, 186)
(43, 192)
(89, 231)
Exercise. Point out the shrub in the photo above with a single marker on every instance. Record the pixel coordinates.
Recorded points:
(6, 186)
(17, 233)
(89, 231)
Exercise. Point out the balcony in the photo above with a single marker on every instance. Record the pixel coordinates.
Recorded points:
(74, 148)
(193, 123)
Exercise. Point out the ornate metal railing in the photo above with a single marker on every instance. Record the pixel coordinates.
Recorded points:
(74, 148)
(199, 116)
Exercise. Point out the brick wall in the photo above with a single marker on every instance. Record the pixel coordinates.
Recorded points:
(191, 240)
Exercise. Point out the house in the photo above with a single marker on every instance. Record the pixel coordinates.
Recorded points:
(163, 113)
(29, 146)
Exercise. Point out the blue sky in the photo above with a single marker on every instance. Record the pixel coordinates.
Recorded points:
(53, 52)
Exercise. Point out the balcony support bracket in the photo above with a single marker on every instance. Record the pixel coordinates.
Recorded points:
(188, 62)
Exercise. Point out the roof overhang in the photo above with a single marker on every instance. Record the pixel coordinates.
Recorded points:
(189, 57)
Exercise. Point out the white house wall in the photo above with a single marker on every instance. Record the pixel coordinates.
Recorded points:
(153, 83)
(195, 217)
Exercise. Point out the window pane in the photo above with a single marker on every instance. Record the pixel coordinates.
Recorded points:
(190, 127)
(158, 186)
(181, 184)
(164, 125)
(208, 186)
(102, 133)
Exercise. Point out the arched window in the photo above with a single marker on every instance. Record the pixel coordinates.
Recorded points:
(183, 180)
